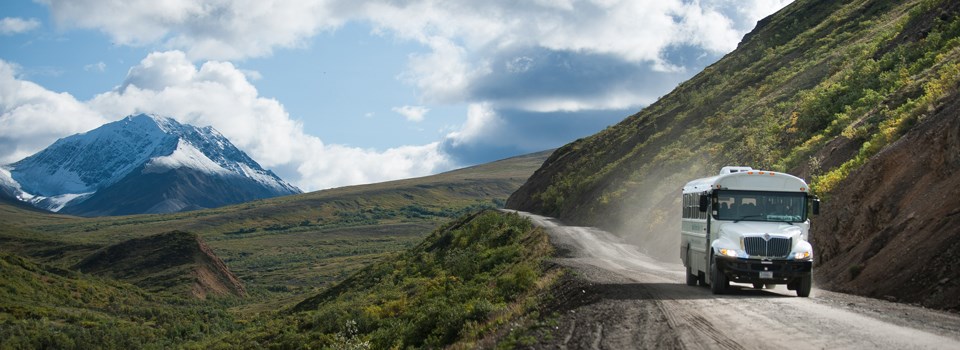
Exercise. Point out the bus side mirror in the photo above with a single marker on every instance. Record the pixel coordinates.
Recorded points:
(816, 206)
(704, 202)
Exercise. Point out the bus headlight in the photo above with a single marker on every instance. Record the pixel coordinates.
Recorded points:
(804, 255)
(729, 252)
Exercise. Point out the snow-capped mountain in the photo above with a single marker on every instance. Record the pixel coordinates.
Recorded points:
(140, 164)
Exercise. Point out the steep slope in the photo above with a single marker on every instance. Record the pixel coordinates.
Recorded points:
(899, 213)
(175, 261)
(140, 164)
(818, 90)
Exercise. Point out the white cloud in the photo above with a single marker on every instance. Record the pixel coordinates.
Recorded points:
(482, 121)
(220, 95)
(412, 113)
(14, 25)
(211, 29)
(462, 34)
(468, 44)
(32, 118)
(216, 94)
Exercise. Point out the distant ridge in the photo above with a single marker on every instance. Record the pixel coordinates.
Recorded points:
(175, 261)
(140, 164)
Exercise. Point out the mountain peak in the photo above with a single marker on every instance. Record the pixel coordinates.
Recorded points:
(165, 124)
(76, 167)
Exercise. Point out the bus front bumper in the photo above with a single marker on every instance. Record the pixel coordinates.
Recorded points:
(764, 271)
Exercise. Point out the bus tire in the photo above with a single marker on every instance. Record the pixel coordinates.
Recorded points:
(718, 280)
(803, 288)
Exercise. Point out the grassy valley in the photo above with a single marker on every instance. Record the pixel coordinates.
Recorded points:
(286, 246)
(139, 282)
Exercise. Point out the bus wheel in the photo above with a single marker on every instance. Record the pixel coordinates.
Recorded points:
(806, 283)
(758, 286)
(718, 281)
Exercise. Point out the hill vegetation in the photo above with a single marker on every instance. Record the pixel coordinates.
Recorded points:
(43, 306)
(173, 261)
(286, 246)
(473, 281)
(127, 282)
(819, 89)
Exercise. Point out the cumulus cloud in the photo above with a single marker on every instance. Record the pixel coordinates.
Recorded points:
(209, 29)
(490, 134)
(14, 25)
(535, 74)
(467, 40)
(215, 94)
(218, 94)
(32, 118)
(412, 113)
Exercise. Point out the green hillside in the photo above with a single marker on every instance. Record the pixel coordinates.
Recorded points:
(477, 280)
(818, 90)
(122, 282)
(284, 247)
(43, 306)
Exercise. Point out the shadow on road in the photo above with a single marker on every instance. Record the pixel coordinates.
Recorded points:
(674, 291)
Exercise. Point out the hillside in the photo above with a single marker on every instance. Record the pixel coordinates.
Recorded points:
(821, 90)
(473, 282)
(286, 246)
(135, 289)
(43, 306)
(871, 233)
(175, 261)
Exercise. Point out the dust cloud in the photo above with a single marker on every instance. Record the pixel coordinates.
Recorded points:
(649, 216)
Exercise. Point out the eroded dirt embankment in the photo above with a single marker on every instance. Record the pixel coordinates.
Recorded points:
(892, 229)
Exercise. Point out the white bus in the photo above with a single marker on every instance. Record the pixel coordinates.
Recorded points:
(747, 226)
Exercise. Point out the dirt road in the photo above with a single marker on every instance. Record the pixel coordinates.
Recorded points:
(620, 298)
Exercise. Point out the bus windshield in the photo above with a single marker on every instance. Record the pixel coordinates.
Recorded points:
(788, 207)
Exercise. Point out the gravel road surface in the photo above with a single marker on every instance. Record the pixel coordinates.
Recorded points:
(619, 298)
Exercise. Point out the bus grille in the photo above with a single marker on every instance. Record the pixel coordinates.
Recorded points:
(774, 248)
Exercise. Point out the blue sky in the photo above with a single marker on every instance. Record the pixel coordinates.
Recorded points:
(337, 92)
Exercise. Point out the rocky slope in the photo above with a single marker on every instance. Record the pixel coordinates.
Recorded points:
(819, 90)
(176, 261)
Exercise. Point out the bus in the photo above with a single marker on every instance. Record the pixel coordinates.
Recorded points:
(748, 226)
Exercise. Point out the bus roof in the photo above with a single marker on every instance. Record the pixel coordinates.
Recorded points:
(748, 180)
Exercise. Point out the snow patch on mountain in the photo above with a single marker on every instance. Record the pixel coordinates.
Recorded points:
(185, 156)
(56, 203)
